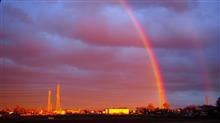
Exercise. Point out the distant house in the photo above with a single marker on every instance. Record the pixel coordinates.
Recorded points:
(117, 111)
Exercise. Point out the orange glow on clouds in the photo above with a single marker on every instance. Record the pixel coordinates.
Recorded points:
(146, 41)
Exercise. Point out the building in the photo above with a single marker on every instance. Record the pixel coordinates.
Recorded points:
(117, 111)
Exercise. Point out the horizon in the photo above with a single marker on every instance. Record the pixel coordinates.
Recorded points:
(114, 53)
(53, 105)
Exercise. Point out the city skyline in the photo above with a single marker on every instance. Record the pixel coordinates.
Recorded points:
(114, 53)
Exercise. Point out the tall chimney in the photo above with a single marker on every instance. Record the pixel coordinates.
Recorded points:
(49, 102)
(206, 100)
(58, 108)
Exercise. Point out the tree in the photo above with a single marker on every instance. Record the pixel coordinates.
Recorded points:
(218, 103)
(150, 107)
(166, 105)
(19, 110)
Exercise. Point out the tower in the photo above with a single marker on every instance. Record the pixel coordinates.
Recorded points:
(58, 108)
(206, 100)
(49, 104)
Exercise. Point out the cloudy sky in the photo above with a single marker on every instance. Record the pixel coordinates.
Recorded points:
(94, 51)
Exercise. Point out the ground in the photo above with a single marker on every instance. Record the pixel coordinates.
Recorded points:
(106, 119)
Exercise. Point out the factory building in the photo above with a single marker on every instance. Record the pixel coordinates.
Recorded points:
(117, 111)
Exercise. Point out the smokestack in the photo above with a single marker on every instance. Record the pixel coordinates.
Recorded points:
(49, 102)
(206, 100)
(58, 108)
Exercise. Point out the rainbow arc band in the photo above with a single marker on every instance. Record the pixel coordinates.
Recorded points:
(147, 44)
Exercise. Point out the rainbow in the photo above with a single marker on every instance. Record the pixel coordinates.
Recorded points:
(202, 63)
(147, 44)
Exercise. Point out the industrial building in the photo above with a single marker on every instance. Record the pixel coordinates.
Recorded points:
(117, 111)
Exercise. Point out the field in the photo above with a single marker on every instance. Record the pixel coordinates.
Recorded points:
(105, 119)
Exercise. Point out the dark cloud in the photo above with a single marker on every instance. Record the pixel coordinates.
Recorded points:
(14, 12)
(174, 5)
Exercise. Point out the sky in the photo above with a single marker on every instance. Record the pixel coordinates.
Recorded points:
(94, 51)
